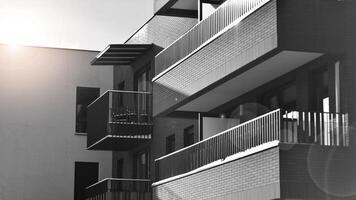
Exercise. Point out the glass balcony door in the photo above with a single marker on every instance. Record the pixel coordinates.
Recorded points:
(142, 83)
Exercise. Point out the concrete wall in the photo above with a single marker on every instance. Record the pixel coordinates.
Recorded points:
(38, 145)
(317, 172)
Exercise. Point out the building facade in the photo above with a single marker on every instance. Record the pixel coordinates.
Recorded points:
(235, 99)
(41, 151)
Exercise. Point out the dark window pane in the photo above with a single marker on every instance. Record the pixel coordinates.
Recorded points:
(142, 165)
(85, 96)
(121, 86)
(188, 136)
(85, 174)
(170, 144)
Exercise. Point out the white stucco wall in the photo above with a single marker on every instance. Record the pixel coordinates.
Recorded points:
(38, 145)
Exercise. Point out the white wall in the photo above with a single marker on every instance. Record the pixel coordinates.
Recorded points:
(38, 147)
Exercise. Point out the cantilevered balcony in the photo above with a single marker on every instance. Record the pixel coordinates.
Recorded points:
(242, 45)
(120, 189)
(119, 120)
(290, 127)
(226, 16)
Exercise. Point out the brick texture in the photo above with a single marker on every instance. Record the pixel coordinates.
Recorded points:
(253, 177)
(250, 39)
(162, 30)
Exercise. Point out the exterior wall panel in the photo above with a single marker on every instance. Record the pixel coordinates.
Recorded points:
(316, 172)
(38, 145)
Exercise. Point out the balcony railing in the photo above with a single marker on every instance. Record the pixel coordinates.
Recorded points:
(328, 129)
(226, 16)
(120, 114)
(120, 189)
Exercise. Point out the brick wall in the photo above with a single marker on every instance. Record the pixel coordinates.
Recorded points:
(251, 38)
(162, 30)
(253, 177)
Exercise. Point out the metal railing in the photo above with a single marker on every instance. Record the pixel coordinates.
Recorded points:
(324, 128)
(227, 15)
(284, 126)
(120, 189)
(116, 112)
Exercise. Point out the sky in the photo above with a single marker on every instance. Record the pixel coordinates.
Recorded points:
(73, 24)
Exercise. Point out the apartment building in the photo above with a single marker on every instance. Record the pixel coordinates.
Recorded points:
(235, 99)
(42, 144)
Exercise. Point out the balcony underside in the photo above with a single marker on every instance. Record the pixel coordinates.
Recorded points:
(119, 142)
(230, 50)
(120, 54)
(273, 67)
(216, 60)
(248, 77)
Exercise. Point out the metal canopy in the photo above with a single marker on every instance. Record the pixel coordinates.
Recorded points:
(120, 54)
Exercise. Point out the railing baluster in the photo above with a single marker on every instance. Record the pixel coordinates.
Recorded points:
(268, 127)
(226, 14)
(315, 128)
(343, 129)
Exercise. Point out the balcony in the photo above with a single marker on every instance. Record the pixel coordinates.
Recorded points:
(119, 120)
(120, 189)
(290, 127)
(227, 15)
(238, 48)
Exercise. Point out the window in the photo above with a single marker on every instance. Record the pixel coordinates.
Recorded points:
(85, 174)
(142, 79)
(121, 86)
(141, 165)
(120, 168)
(170, 144)
(85, 96)
(319, 96)
(284, 97)
(143, 84)
(188, 136)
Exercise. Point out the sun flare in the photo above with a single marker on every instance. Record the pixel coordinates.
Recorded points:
(17, 27)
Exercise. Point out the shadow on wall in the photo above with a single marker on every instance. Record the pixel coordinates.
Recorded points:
(318, 172)
(165, 193)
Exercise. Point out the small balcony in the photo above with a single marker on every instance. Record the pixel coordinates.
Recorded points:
(120, 189)
(119, 120)
(291, 127)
